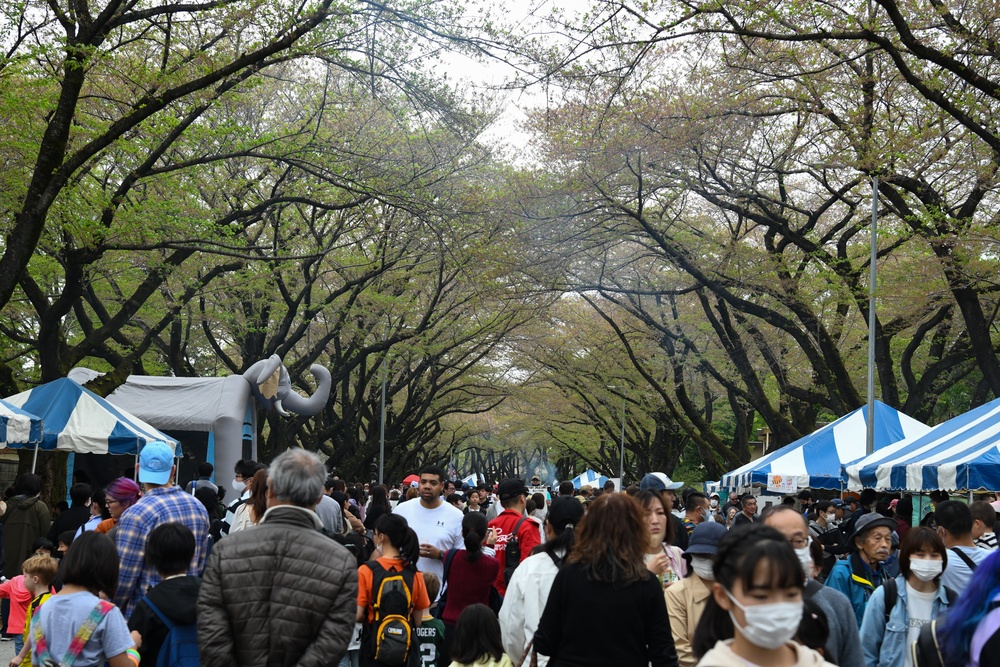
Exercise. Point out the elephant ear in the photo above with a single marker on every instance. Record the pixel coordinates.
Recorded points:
(269, 387)
(269, 377)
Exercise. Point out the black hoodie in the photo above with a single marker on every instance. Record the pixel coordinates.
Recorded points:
(177, 598)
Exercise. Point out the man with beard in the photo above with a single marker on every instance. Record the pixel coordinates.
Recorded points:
(437, 524)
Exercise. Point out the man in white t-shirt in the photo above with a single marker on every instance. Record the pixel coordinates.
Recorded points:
(437, 524)
(954, 525)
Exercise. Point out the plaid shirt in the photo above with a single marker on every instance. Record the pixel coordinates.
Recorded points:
(165, 504)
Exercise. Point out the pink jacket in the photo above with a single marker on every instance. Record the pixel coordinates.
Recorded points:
(20, 598)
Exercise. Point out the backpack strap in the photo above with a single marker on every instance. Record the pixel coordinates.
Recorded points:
(891, 595)
(79, 641)
(159, 614)
(449, 556)
(961, 554)
(517, 526)
(926, 651)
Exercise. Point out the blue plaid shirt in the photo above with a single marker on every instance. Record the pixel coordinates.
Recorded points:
(165, 504)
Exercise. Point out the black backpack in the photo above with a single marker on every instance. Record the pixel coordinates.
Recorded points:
(513, 552)
(391, 632)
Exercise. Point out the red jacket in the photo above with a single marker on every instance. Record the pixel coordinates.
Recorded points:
(528, 537)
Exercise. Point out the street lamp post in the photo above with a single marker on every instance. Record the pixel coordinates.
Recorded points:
(621, 454)
(621, 451)
(381, 435)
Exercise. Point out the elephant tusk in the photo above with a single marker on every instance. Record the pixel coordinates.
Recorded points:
(280, 410)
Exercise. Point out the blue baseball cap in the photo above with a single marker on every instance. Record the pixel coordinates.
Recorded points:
(705, 538)
(156, 460)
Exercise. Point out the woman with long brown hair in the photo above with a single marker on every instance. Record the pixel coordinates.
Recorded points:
(605, 569)
(253, 509)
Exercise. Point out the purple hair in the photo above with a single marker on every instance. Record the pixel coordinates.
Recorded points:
(124, 490)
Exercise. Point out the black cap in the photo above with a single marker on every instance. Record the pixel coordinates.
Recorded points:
(512, 488)
(564, 511)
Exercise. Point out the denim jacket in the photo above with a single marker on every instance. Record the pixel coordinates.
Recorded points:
(885, 644)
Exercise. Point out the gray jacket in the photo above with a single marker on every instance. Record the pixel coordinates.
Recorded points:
(844, 644)
(276, 595)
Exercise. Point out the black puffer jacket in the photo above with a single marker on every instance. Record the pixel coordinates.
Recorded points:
(277, 595)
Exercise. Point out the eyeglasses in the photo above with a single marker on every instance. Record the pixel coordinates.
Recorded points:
(799, 542)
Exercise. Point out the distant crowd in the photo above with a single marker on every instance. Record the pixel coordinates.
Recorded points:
(302, 568)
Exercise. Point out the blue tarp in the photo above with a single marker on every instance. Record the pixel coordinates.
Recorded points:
(815, 461)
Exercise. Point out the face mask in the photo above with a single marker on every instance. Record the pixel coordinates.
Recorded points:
(706, 515)
(925, 569)
(714, 503)
(831, 518)
(805, 559)
(769, 625)
(238, 485)
(702, 566)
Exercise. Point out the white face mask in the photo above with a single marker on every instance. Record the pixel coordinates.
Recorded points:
(805, 559)
(702, 566)
(769, 625)
(714, 503)
(238, 485)
(925, 569)
(831, 518)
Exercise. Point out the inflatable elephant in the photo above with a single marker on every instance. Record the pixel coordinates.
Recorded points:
(270, 384)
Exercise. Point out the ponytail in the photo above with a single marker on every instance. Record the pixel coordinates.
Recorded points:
(409, 548)
(395, 529)
(474, 527)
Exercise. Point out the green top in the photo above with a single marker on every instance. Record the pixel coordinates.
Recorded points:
(430, 639)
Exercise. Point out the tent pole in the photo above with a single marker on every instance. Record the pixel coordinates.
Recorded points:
(34, 460)
(135, 471)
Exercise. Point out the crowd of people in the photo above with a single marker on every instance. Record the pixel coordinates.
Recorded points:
(302, 568)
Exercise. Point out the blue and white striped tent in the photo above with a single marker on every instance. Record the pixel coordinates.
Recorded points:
(815, 461)
(78, 420)
(473, 479)
(963, 453)
(17, 427)
(589, 478)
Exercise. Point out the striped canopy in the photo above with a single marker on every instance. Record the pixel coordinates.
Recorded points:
(18, 428)
(963, 453)
(78, 420)
(589, 478)
(815, 461)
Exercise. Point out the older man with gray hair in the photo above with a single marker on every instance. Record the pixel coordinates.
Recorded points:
(281, 592)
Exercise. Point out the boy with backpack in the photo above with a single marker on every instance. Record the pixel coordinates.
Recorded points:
(430, 634)
(164, 623)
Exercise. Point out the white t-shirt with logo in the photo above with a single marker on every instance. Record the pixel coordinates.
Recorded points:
(919, 610)
(440, 527)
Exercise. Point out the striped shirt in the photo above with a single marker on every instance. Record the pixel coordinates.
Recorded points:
(987, 541)
(164, 504)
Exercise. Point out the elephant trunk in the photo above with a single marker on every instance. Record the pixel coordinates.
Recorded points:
(307, 407)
